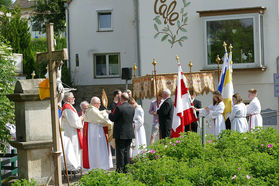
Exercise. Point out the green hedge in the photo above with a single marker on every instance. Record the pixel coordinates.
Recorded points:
(231, 159)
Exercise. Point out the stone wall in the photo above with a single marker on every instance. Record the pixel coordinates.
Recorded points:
(85, 93)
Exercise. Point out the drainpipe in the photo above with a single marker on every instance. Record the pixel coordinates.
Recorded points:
(68, 37)
(277, 64)
(138, 36)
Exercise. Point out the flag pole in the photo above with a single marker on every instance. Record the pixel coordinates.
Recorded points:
(190, 66)
(135, 70)
(154, 63)
(218, 62)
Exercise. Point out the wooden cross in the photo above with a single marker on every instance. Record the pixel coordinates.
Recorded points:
(54, 58)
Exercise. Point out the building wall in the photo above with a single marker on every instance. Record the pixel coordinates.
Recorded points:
(85, 40)
(193, 48)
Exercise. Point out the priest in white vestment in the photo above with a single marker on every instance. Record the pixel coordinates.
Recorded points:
(254, 110)
(140, 138)
(70, 123)
(238, 114)
(215, 112)
(98, 147)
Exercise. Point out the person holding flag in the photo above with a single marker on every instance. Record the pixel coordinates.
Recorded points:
(215, 112)
(183, 111)
(226, 86)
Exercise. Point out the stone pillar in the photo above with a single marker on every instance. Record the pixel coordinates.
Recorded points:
(33, 132)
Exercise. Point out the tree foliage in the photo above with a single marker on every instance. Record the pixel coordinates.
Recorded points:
(17, 32)
(7, 80)
(6, 3)
(50, 12)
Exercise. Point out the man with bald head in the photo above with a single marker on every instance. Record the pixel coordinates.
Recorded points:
(123, 131)
(165, 113)
(98, 148)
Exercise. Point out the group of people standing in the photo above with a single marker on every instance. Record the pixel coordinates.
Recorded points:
(237, 117)
(121, 125)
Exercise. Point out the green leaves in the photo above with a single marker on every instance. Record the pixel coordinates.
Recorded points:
(172, 32)
(156, 27)
(164, 37)
(7, 81)
(157, 20)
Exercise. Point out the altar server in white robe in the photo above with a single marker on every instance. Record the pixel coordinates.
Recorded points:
(70, 123)
(238, 114)
(254, 110)
(215, 112)
(140, 137)
(98, 148)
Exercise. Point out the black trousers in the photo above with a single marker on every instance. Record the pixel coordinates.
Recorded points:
(194, 127)
(165, 132)
(228, 124)
(122, 154)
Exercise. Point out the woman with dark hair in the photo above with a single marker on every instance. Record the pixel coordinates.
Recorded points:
(238, 114)
(215, 112)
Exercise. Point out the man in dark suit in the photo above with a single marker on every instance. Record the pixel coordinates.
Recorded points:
(123, 131)
(165, 113)
(198, 105)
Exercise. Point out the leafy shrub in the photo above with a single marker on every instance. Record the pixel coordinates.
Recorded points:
(7, 80)
(100, 177)
(24, 182)
(232, 158)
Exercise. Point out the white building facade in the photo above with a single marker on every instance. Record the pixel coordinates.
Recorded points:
(136, 31)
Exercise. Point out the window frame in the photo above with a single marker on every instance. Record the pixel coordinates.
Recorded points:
(257, 34)
(107, 65)
(103, 11)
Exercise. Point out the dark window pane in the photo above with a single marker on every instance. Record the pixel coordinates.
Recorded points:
(104, 20)
(113, 65)
(101, 65)
(238, 32)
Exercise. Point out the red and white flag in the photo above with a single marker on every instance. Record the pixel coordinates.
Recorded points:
(183, 113)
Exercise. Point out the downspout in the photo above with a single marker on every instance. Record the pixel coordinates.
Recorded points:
(277, 64)
(68, 37)
(138, 36)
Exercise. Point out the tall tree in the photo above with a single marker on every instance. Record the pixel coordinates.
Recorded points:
(50, 12)
(6, 3)
(17, 32)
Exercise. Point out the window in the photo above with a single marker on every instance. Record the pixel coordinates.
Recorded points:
(107, 65)
(243, 31)
(104, 21)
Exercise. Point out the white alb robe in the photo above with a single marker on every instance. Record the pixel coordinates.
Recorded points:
(254, 112)
(238, 118)
(216, 114)
(140, 137)
(98, 148)
(70, 123)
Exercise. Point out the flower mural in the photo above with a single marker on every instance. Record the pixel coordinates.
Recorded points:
(169, 24)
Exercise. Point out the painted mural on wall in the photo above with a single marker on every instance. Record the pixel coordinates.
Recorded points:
(170, 21)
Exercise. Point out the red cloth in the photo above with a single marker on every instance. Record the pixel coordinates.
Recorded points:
(85, 156)
(183, 111)
(118, 103)
(69, 106)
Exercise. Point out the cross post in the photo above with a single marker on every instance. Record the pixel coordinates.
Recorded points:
(54, 57)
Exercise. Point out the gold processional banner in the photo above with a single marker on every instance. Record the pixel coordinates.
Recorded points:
(144, 86)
